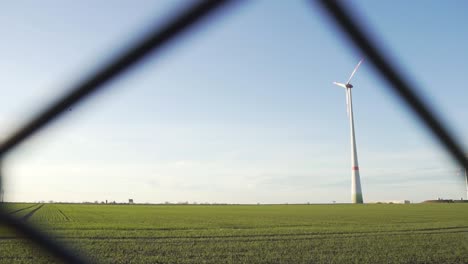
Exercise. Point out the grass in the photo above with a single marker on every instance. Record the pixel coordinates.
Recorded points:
(373, 233)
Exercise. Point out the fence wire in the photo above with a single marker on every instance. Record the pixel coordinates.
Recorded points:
(160, 37)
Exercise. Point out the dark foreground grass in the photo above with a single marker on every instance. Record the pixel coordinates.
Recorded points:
(378, 233)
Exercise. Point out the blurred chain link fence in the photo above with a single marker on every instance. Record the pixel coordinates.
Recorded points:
(162, 36)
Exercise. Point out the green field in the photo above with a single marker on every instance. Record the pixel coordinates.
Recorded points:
(372, 233)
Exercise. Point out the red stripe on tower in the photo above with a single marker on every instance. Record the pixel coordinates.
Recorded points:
(355, 168)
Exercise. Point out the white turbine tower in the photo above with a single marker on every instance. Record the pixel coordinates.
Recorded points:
(356, 192)
(466, 182)
(466, 179)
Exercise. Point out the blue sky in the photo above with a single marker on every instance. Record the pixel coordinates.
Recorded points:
(242, 110)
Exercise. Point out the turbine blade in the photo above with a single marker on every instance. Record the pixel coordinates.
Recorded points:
(354, 71)
(340, 84)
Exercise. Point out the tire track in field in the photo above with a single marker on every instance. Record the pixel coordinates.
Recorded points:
(249, 238)
(263, 237)
(418, 230)
(27, 216)
(64, 215)
(208, 241)
(158, 229)
(21, 209)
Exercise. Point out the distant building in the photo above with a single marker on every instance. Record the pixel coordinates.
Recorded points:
(395, 202)
(130, 201)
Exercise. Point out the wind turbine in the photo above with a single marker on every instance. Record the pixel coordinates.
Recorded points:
(356, 192)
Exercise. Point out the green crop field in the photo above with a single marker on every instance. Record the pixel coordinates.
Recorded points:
(372, 233)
